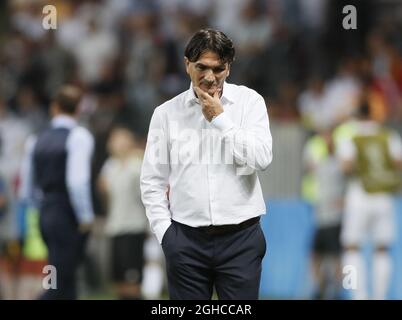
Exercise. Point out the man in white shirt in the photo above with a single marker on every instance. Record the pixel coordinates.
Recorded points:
(199, 183)
(56, 172)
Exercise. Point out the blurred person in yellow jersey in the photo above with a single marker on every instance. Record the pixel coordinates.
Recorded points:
(371, 156)
(323, 188)
(126, 223)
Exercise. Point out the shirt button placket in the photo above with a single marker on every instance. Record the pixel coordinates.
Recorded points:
(211, 192)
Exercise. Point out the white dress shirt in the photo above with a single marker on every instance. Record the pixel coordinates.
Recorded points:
(80, 146)
(210, 167)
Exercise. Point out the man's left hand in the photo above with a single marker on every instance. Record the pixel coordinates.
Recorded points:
(211, 106)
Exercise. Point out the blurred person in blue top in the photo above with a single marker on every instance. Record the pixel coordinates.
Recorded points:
(56, 177)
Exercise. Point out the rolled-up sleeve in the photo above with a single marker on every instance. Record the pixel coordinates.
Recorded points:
(155, 177)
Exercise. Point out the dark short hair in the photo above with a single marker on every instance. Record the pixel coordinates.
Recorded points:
(67, 98)
(210, 40)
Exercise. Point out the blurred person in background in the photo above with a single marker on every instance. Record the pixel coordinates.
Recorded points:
(3, 198)
(323, 188)
(386, 70)
(3, 207)
(252, 32)
(145, 63)
(13, 132)
(206, 214)
(154, 274)
(126, 220)
(33, 249)
(3, 204)
(371, 156)
(57, 178)
(343, 92)
(30, 109)
(313, 105)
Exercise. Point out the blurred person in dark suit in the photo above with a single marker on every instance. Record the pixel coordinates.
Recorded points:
(56, 173)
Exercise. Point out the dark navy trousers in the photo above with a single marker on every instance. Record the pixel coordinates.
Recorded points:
(65, 245)
(196, 262)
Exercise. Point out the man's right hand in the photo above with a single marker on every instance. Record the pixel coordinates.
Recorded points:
(85, 227)
(211, 106)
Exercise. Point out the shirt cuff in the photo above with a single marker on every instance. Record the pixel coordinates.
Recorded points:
(161, 229)
(222, 122)
(86, 218)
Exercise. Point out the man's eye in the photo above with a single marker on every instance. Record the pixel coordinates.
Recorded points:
(201, 68)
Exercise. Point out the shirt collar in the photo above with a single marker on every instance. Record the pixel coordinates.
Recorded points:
(63, 121)
(227, 95)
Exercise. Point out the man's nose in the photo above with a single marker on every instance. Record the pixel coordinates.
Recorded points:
(209, 76)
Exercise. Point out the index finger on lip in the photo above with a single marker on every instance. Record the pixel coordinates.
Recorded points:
(197, 90)
(200, 93)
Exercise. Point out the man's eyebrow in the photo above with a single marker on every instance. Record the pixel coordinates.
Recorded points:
(200, 64)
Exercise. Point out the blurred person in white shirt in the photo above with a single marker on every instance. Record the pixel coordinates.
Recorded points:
(323, 188)
(126, 221)
(371, 155)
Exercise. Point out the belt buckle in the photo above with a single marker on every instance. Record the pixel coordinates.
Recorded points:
(221, 230)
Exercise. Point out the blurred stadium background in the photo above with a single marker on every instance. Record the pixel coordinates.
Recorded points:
(127, 56)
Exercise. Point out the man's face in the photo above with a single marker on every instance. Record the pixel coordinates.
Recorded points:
(208, 72)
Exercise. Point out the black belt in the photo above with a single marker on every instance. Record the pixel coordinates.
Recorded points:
(226, 228)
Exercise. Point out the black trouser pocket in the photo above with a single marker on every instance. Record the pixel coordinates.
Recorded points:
(166, 236)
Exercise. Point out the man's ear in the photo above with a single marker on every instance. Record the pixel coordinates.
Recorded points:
(187, 64)
(228, 70)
